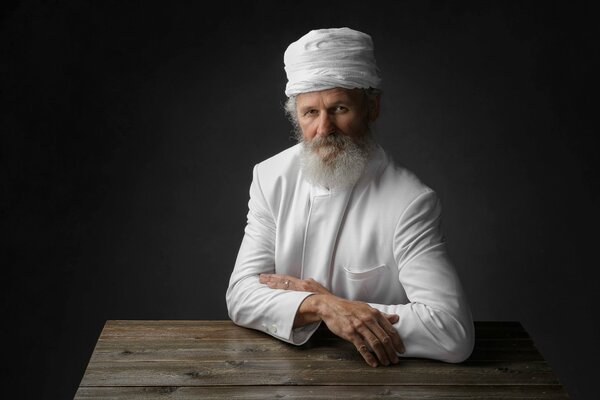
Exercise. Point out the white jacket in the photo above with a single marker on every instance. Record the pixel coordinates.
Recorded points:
(378, 242)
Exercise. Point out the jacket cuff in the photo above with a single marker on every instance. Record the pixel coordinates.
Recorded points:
(281, 325)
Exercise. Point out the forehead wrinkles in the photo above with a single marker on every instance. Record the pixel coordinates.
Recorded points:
(310, 100)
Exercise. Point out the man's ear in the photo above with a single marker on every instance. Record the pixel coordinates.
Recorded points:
(374, 107)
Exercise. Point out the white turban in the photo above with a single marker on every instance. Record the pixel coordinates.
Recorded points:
(327, 58)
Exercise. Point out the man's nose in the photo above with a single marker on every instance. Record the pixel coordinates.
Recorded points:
(326, 126)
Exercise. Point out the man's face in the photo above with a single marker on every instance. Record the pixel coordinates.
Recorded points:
(338, 110)
(334, 127)
(326, 115)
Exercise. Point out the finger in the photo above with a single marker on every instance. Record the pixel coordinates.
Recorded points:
(272, 284)
(379, 341)
(278, 285)
(282, 282)
(385, 336)
(386, 323)
(270, 281)
(364, 351)
(265, 278)
(392, 318)
(272, 276)
(395, 336)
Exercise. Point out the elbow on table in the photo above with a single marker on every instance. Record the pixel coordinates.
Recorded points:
(460, 346)
(233, 315)
(233, 309)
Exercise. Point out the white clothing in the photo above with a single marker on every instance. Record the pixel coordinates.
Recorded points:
(378, 242)
(327, 58)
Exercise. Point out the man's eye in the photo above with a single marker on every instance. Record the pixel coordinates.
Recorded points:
(310, 112)
(340, 109)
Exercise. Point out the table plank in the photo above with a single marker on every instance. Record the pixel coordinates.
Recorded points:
(552, 392)
(190, 340)
(184, 359)
(155, 349)
(210, 330)
(313, 372)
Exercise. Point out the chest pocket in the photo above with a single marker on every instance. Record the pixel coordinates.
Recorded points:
(369, 284)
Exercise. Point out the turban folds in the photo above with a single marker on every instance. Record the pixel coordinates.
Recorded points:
(327, 58)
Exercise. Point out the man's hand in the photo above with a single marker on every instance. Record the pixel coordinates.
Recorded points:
(288, 282)
(354, 321)
(361, 325)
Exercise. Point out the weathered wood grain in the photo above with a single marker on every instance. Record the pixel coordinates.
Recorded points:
(325, 392)
(182, 350)
(313, 372)
(191, 340)
(216, 359)
(153, 349)
(223, 330)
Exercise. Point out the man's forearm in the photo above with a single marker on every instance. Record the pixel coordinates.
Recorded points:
(308, 312)
(356, 322)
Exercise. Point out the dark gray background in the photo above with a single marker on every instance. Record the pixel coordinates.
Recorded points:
(129, 131)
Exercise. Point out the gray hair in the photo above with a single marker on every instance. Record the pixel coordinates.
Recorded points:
(290, 108)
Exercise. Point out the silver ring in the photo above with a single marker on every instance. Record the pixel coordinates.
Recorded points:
(287, 284)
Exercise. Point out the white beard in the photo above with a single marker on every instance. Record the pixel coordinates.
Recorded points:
(335, 161)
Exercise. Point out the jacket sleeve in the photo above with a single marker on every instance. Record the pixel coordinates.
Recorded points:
(437, 322)
(250, 303)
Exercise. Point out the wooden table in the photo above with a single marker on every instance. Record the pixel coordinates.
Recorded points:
(218, 360)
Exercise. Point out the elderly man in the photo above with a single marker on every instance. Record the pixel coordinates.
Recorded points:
(337, 233)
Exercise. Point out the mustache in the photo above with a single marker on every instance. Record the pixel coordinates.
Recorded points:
(334, 139)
